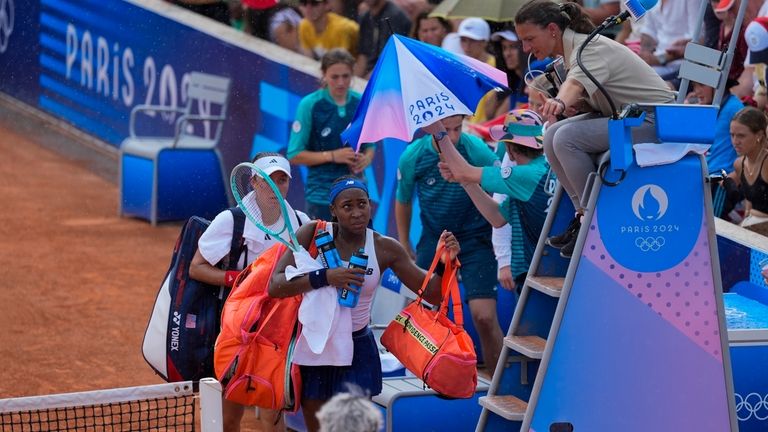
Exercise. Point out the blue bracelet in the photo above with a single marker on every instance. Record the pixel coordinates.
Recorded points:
(318, 279)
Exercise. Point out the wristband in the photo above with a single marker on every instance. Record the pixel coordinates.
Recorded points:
(440, 135)
(230, 276)
(318, 278)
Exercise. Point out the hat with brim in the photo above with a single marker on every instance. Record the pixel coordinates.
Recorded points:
(521, 126)
(507, 35)
(271, 164)
(756, 36)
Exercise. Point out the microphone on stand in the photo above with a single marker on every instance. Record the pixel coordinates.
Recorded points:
(636, 9)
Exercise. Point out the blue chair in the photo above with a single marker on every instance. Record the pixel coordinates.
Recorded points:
(164, 178)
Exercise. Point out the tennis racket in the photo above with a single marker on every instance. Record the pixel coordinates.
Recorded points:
(263, 204)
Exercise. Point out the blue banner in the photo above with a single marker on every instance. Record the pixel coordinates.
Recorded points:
(89, 62)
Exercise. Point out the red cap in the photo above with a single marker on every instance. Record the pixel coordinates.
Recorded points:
(724, 5)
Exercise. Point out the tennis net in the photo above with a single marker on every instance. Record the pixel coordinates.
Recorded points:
(164, 407)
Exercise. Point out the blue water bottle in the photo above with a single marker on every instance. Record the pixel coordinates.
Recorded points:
(327, 249)
(349, 298)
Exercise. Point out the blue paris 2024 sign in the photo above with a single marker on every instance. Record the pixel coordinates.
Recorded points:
(654, 223)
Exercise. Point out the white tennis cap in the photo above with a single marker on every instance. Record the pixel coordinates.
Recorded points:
(475, 28)
(505, 34)
(270, 164)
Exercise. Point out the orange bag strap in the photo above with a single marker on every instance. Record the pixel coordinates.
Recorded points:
(312, 251)
(449, 289)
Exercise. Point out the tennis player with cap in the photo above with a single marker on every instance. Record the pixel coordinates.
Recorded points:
(214, 245)
(524, 184)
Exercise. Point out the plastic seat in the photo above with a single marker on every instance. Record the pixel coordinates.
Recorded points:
(173, 177)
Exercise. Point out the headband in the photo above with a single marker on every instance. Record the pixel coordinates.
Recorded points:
(341, 186)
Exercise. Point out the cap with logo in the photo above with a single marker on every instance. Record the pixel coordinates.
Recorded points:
(270, 164)
(521, 126)
(756, 36)
(475, 28)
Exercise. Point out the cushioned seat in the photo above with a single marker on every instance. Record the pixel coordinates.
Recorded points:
(174, 177)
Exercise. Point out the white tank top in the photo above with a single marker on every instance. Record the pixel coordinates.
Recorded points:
(361, 314)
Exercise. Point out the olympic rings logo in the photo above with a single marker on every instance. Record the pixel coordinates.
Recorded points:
(753, 405)
(650, 243)
(6, 23)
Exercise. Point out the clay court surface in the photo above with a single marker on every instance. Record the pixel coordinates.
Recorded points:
(77, 283)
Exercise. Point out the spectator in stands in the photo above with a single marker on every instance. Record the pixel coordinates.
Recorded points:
(721, 154)
(667, 28)
(345, 8)
(549, 29)
(315, 141)
(431, 30)
(524, 184)
(214, 247)
(321, 30)
(475, 33)
(445, 206)
(725, 11)
(513, 64)
(350, 412)
(756, 36)
(750, 170)
(376, 25)
(274, 22)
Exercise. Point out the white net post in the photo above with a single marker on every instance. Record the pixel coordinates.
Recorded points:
(210, 406)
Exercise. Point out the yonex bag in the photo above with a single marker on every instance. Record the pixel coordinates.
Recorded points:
(430, 345)
(178, 342)
(254, 351)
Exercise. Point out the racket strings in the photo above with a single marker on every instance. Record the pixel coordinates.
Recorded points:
(260, 202)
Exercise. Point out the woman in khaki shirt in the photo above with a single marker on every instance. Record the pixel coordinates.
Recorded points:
(549, 29)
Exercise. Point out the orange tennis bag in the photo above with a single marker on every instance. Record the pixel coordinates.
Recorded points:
(432, 346)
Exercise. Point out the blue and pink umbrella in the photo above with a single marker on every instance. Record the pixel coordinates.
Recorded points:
(415, 84)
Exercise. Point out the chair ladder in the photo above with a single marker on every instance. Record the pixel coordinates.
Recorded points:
(519, 339)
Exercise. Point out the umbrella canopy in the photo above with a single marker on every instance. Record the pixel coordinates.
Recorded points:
(492, 10)
(413, 85)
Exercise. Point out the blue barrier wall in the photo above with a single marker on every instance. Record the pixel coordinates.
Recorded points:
(89, 62)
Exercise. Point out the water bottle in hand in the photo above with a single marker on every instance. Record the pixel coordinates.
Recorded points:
(327, 250)
(349, 298)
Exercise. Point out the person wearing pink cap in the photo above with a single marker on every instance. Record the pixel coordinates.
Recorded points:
(524, 184)
(214, 247)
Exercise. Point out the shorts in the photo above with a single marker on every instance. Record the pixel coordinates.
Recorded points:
(322, 382)
(478, 265)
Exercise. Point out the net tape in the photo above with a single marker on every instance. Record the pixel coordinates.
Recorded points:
(166, 407)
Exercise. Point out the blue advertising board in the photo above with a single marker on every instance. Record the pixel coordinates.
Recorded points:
(89, 62)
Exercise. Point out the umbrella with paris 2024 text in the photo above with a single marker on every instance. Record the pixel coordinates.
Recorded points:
(415, 84)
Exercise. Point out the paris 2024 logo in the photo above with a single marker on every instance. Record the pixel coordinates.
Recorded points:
(649, 226)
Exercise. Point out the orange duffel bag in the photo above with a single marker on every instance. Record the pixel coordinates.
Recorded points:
(432, 346)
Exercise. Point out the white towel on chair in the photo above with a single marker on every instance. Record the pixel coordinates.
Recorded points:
(326, 334)
(650, 154)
